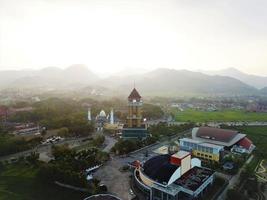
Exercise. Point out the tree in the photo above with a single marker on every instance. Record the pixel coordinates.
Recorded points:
(126, 146)
(61, 151)
(99, 140)
(234, 194)
(63, 132)
(151, 111)
(33, 158)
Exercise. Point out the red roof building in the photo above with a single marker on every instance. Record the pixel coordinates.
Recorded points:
(245, 143)
(229, 139)
(134, 95)
(222, 137)
(3, 112)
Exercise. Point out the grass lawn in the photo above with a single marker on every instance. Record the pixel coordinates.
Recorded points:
(218, 116)
(18, 182)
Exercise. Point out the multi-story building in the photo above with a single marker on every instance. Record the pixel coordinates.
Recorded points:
(209, 143)
(135, 104)
(134, 128)
(173, 177)
(202, 150)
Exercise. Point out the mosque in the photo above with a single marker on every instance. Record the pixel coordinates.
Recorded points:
(102, 118)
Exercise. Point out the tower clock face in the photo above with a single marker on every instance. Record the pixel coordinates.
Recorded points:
(134, 100)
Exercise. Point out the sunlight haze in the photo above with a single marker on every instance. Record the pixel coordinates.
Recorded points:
(113, 35)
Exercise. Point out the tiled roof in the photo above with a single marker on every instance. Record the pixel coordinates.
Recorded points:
(3, 111)
(222, 137)
(217, 134)
(134, 95)
(245, 143)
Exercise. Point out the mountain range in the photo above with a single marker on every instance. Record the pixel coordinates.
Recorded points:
(253, 80)
(48, 77)
(181, 82)
(161, 81)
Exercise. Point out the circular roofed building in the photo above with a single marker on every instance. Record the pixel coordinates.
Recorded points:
(103, 197)
(173, 177)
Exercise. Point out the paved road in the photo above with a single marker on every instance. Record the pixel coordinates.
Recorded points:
(119, 182)
(234, 180)
(44, 150)
(109, 142)
(214, 124)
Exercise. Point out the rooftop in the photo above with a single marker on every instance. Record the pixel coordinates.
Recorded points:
(217, 136)
(159, 168)
(245, 143)
(134, 95)
(102, 197)
(222, 135)
(194, 178)
(181, 154)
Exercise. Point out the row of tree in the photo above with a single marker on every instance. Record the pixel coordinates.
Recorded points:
(155, 132)
(10, 144)
(69, 166)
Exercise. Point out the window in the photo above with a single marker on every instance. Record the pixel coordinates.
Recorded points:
(165, 196)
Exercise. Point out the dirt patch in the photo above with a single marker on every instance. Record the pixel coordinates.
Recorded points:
(116, 181)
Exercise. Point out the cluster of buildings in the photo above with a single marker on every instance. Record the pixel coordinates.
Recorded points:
(213, 143)
(27, 129)
(180, 175)
(5, 111)
(207, 105)
(257, 107)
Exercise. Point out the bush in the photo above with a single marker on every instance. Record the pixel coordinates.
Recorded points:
(33, 158)
(234, 194)
(99, 140)
(63, 132)
(125, 146)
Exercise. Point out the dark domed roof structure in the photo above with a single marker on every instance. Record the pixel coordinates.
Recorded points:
(102, 197)
(159, 168)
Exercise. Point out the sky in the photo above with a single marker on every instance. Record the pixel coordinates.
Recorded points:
(114, 35)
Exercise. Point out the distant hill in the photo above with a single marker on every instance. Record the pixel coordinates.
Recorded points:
(181, 82)
(264, 91)
(253, 80)
(48, 77)
(160, 82)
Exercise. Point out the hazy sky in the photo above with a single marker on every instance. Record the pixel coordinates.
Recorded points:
(111, 35)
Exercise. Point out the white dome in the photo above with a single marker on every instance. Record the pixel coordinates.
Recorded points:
(102, 113)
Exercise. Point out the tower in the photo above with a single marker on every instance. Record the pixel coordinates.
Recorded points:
(135, 103)
(134, 129)
(89, 114)
(111, 116)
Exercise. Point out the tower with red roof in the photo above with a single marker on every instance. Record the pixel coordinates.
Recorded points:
(134, 109)
(134, 128)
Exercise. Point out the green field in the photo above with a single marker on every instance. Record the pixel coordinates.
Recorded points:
(18, 182)
(219, 116)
